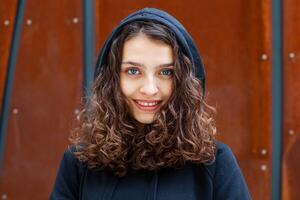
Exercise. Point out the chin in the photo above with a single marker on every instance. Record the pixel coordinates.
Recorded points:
(144, 120)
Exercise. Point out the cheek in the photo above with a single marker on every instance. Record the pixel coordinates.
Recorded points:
(127, 87)
(167, 88)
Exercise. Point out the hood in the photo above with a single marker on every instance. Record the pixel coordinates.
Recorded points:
(184, 39)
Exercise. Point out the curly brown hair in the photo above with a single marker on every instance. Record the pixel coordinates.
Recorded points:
(182, 131)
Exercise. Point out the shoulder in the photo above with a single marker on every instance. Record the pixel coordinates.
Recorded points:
(69, 154)
(70, 161)
(224, 165)
(226, 174)
(224, 154)
(224, 157)
(225, 162)
(69, 175)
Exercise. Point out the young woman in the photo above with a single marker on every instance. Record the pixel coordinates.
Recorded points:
(146, 131)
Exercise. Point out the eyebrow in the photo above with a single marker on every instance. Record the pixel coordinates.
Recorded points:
(141, 65)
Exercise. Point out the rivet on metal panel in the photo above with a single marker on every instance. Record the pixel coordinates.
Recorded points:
(28, 22)
(291, 132)
(263, 167)
(76, 111)
(264, 56)
(264, 152)
(4, 196)
(75, 20)
(15, 111)
(6, 22)
(291, 55)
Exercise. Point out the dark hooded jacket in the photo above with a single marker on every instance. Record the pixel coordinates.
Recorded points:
(220, 180)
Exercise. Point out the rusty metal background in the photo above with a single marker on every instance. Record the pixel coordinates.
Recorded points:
(46, 93)
(7, 19)
(291, 99)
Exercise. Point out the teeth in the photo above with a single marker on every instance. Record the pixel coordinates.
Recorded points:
(147, 103)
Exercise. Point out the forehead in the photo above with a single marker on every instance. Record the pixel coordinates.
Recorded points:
(141, 48)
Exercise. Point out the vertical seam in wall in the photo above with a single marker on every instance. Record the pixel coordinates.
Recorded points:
(277, 65)
(11, 66)
(88, 45)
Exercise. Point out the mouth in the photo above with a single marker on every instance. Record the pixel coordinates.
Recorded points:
(147, 105)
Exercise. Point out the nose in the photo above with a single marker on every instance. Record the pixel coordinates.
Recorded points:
(149, 87)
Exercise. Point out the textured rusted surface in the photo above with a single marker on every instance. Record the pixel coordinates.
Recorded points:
(291, 100)
(7, 18)
(46, 91)
(232, 37)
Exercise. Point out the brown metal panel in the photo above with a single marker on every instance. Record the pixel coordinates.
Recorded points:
(7, 18)
(46, 92)
(291, 99)
(234, 39)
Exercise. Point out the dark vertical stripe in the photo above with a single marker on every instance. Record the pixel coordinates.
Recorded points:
(88, 45)
(10, 75)
(276, 97)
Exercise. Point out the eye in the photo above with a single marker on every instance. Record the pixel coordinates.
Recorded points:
(133, 71)
(167, 72)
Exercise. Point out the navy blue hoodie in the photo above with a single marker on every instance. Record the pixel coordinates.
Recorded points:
(220, 180)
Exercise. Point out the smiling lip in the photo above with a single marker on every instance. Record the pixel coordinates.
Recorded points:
(147, 105)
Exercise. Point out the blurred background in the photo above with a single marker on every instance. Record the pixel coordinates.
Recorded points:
(250, 49)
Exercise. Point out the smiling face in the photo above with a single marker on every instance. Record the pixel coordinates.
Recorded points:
(146, 76)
